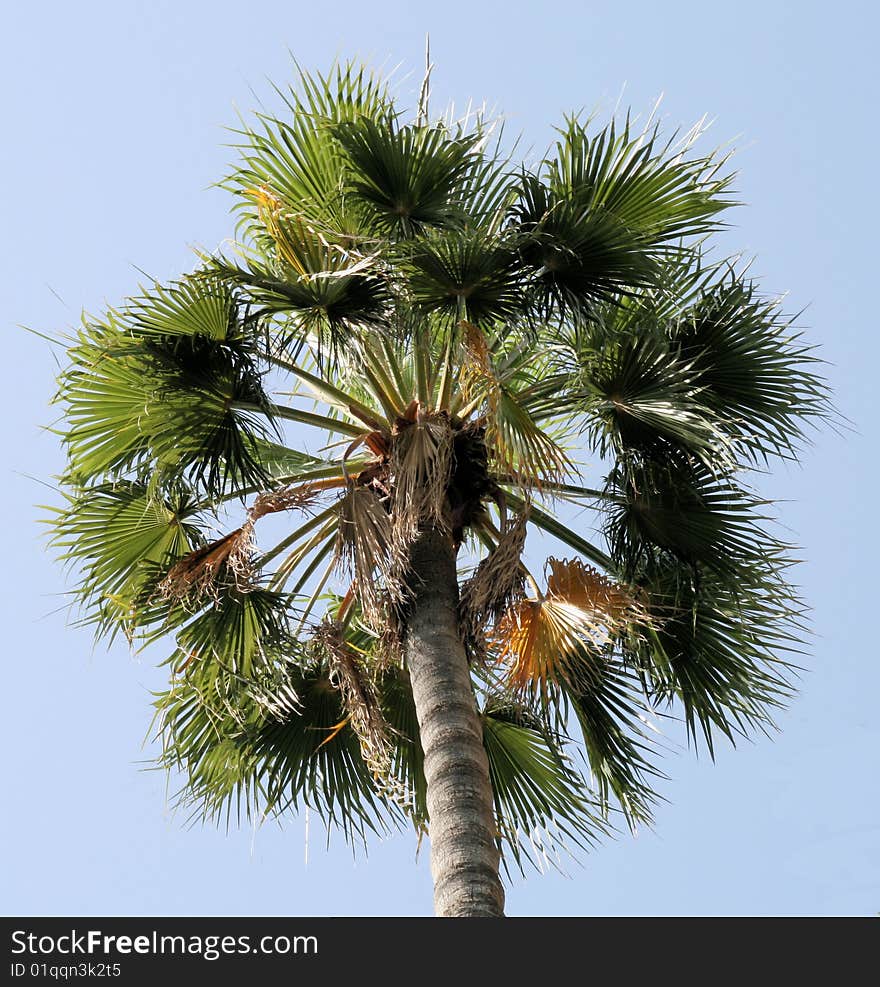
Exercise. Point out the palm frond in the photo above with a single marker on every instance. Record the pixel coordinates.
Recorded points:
(195, 306)
(182, 406)
(614, 718)
(488, 189)
(465, 274)
(365, 546)
(753, 370)
(522, 448)
(326, 288)
(559, 639)
(688, 514)
(543, 807)
(720, 648)
(234, 636)
(285, 465)
(421, 462)
(608, 209)
(240, 760)
(122, 537)
(641, 395)
(298, 156)
(408, 177)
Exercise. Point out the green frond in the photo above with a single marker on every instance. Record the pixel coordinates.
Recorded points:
(640, 395)
(518, 446)
(754, 372)
(300, 159)
(258, 724)
(290, 465)
(613, 715)
(605, 212)
(687, 514)
(240, 760)
(488, 190)
(315, 293)
(700, 360)
(237, 634)
(543, 807)
(196, 306)
(121, 538)
(408, 177)
(170, 404)
(719, 649)
(465, 274)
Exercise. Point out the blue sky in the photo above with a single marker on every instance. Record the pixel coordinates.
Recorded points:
(113, 134)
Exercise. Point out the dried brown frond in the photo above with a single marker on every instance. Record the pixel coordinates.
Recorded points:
(200, 574)
(559, 638)
(377, 477)
(349, 675)
(377, 443)
(575, 582)
(365, 548)
(360, 699)
(389, 650)
(546, 643)
(421, 463)
(477, 378)
(292, 497)
(496, 583)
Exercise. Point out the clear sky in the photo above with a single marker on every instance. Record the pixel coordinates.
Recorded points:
(114, 117)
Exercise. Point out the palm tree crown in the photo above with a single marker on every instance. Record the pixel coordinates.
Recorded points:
(459, 334)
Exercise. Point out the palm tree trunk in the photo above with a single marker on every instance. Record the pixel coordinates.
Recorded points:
(464, 855)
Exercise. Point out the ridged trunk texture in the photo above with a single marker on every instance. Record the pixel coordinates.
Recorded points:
(464, 855)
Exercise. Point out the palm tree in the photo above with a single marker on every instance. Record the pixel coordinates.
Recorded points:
(457, 333)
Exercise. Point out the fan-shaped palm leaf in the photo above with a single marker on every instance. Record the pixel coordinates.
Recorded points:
(183, 406)
(465, 274)
(543, 807)
(692, 515)
(718, 648)
(123, 537)
(608, 209)
(753, 371)
(300, 159)
(643, 396)
(235, 754)
(407, 176)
